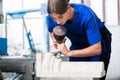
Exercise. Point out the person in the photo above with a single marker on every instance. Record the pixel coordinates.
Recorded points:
(90, 39)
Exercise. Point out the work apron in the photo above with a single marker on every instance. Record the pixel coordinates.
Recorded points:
(106, 41)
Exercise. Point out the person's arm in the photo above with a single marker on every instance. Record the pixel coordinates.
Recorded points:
(52, 37)
(86, 52)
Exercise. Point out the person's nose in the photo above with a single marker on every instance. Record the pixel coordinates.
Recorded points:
(59, 21)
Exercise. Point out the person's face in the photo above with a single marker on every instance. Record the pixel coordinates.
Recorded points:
(61, 18)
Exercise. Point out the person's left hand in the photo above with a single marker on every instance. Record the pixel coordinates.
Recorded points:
(63, 49)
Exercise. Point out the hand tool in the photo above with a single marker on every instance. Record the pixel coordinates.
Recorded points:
(59, 33)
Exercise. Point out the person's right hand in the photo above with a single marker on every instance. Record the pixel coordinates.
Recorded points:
(63, 49)
(53, 48)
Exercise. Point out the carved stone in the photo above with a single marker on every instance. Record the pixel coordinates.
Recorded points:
(47, 65)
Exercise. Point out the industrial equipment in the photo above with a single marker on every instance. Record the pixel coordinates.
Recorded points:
(3, 46)
(20, 15)
(24, 65)
(1, 13)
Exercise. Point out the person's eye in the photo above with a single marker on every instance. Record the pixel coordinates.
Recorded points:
(60, 16)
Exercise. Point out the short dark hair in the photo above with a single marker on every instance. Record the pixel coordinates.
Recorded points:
(57, 6)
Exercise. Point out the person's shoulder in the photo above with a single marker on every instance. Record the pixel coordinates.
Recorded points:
(85, 9)
(79, 5)
(81, 8)
(48, 17)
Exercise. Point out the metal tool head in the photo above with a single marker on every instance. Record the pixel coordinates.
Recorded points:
(59, 33)
(58, 56)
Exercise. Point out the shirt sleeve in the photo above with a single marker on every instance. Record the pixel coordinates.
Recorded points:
(92, 31)
(50, 23)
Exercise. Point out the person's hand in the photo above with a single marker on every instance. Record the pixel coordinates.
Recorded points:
(53, 47)
(63, 49)
(55, 43)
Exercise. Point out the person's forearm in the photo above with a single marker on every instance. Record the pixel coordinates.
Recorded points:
(53, 39)
(51, 35)
(86, 52)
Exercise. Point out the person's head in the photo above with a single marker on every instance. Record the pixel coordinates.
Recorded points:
(59, 10)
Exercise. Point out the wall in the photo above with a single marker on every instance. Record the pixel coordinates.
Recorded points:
(114, 66)
(110, 15)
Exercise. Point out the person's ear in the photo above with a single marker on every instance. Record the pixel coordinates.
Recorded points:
(68, 8)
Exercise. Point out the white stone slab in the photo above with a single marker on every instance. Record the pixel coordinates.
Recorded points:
(66, 78)
(49, 66)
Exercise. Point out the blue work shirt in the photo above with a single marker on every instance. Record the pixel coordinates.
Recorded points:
(83, 31)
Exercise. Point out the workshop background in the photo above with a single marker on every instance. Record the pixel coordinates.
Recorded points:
(17, 43)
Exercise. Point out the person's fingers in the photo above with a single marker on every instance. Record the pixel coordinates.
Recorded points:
(60, 47)
(53, 49)
(55, 45)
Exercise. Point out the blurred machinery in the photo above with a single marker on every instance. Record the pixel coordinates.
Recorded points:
(3, 46)
(1, 13)
(3, 40)
(20, 15)
(24, 65)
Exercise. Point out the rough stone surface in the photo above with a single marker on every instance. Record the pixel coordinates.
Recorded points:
(48, 67)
